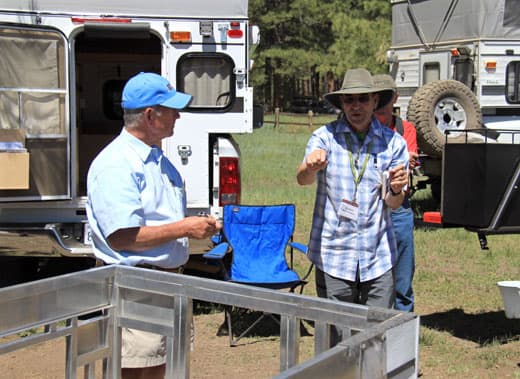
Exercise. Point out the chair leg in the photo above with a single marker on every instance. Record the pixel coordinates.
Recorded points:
(227, 312)
(235, 341)
(228, 319)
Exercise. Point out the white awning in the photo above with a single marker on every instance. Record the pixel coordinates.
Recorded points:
(433, 21)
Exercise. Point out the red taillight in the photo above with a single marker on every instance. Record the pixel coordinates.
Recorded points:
(229, 181)
(235, 33)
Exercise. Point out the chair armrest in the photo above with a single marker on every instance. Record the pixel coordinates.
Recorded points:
(216, 238)
(218, 251)
(299, 246)
(303, 248)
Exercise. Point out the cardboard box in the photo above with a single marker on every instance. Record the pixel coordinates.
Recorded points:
(14, 164)
(14, 170)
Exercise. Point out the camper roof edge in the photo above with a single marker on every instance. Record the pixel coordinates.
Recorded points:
(178, 8)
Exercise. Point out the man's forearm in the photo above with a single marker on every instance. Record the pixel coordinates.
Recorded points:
(305, 176)
(142, 238)
(394, 201)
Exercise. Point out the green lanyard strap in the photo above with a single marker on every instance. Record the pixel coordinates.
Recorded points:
(357, 178)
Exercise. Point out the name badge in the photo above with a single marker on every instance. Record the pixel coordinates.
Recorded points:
(349, 209)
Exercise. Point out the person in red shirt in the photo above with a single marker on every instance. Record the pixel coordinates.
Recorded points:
(402, 217)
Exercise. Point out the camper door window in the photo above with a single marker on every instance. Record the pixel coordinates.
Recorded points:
(209, 78)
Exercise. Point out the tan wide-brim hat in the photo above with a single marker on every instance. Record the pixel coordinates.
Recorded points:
(387, 87)
(356, 81)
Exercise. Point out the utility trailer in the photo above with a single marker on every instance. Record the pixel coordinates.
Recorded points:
(64, 64)
(481, 185)
(456, 64)
(381, 343)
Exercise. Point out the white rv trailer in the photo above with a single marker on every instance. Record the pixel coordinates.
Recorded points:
(64, 64)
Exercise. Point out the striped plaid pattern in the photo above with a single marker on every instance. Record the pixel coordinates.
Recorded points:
(337, 245)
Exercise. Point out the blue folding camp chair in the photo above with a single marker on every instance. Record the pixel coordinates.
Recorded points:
(258, 237)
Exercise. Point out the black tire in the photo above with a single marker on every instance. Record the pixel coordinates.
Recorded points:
(441, 105)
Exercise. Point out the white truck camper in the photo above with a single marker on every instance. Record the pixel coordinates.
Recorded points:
(456, 64)
(64, 64)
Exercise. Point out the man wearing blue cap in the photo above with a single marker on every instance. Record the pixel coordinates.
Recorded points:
(137, 205)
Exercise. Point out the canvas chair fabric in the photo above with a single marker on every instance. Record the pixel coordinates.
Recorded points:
(258, 237)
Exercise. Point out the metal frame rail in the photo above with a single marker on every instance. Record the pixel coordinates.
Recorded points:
(382, 343)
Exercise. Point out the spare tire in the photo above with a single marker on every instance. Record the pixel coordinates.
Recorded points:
(442, 105)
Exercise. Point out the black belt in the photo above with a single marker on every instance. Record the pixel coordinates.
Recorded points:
(176, 270)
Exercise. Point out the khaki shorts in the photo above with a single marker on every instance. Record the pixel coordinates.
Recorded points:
(142, 349)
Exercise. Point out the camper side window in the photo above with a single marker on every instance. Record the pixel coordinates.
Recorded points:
(32, 81)
(208, 78)
(33, 98)
(513, 82)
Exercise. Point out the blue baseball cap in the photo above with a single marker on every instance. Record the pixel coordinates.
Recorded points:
(147, 89)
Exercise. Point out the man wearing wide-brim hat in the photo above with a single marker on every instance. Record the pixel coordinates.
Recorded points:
(361, 172)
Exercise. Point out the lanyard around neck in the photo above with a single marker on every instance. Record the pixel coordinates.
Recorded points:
(357, 177)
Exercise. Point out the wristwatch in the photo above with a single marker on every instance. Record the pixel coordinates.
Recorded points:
(395, 193)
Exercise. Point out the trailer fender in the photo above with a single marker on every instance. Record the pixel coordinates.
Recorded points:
(442, 105)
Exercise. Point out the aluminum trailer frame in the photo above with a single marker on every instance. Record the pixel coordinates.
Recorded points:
(383, 343)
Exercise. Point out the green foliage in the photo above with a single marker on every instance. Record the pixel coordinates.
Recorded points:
(366, 50)
(290, 67)
(362, 36)
(313, 40)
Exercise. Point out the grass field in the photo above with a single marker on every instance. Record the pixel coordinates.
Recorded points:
(464, 332)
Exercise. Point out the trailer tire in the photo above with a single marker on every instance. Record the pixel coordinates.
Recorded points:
(442, 105)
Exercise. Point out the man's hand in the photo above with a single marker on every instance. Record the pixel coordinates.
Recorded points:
(201, 227)
(314, 162)
(398, 178)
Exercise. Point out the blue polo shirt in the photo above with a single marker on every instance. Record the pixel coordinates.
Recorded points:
(338, 245)
(131, 184)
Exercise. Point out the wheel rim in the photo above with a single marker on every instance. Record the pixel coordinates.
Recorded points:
(449, 114)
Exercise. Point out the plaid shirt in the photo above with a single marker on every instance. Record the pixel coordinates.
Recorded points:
(338, 245)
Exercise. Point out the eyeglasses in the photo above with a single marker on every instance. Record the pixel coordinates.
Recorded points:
(362, 99)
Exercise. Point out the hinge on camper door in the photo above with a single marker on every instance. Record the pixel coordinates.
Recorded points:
(240, 75)
(223, 28)
(184, 152)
